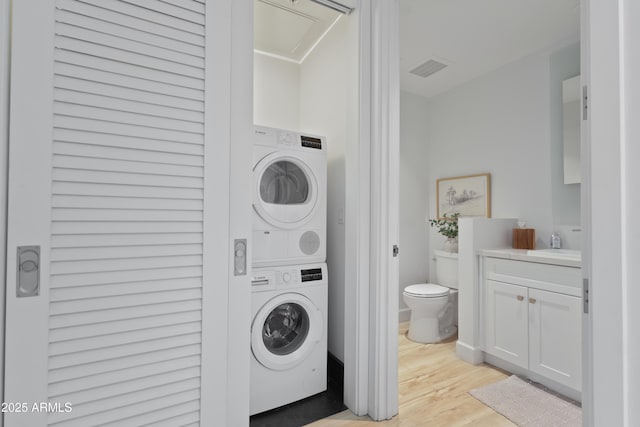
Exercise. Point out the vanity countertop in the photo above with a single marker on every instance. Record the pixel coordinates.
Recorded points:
(544, 257)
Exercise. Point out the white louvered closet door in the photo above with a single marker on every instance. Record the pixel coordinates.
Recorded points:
(119, 122)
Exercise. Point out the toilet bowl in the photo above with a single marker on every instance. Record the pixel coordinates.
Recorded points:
(433, 306)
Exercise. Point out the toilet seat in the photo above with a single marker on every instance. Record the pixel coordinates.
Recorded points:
(426, 290)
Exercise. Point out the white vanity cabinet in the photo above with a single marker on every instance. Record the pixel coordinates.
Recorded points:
(532, 317)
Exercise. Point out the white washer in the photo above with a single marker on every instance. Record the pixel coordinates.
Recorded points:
(288, 335)
(290, 198)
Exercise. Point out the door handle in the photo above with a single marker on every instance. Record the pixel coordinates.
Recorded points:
(28, 274)
(520, 297)
(532, 300)
(240, 257)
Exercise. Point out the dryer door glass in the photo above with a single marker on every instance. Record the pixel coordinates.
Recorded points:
(284, 183)
(285, 329)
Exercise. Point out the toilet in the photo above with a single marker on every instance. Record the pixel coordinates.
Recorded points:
(433, 306)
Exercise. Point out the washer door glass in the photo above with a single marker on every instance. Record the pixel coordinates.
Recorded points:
(285, 329)
(284, 183)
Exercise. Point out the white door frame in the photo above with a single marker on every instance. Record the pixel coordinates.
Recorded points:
(372, 180)
(5, 51)
(613, 204)
(240, 225)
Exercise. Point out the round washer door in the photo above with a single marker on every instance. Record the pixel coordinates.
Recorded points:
(286, 190)
(285, 330)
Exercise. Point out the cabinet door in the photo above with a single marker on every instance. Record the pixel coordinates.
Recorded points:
(555, 333)
(506, 322)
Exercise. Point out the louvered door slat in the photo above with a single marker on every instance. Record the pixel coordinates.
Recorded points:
(172, 10)
(129, 33)
(122, 314)
(102, 278)
(92, 73)
(186, 420)
(191, 5)
(125, 310)
(133, 386)
(136, 119)
(125, 129)
(137, 67)
(62, 162)
(110, 252)
(79, 293)
(139, 348)
(125, 178)
(162, 414)
(125, 8)
(123, 375)
(105, 303)
(98, 329)
(130, 22)
(72, 372)
(82, 410)
(87, 51)
(117, 165)
(116, 147)
(123, 92)
(130, 411)
(135, 239)
(135, 191)
(110, 102)
(123, 42)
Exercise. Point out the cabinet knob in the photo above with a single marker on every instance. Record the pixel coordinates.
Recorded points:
(532, 300)
(520, 297)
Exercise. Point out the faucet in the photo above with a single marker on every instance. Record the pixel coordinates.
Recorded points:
(556, 242)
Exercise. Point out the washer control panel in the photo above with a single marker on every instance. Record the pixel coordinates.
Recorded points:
(272, 278)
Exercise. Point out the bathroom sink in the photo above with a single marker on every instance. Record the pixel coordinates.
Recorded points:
(571, 254)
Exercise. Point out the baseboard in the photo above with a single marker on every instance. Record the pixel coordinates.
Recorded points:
(405, 314)
(469, 354)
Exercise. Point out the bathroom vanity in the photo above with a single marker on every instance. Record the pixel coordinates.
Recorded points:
(531, 315)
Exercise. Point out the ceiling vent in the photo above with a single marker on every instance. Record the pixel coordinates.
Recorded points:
(427, 68)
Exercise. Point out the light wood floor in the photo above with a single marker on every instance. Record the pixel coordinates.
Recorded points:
(433, 390)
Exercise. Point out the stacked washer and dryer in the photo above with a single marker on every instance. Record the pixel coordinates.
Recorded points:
(289, 284)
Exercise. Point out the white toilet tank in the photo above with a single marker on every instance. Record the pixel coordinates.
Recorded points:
(447, 269)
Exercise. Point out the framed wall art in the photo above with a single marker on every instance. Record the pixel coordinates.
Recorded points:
(467, 195)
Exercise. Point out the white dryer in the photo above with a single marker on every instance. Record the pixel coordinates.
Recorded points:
(288, 335)
(290, 198)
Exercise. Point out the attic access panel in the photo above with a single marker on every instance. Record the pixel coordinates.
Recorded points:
(290, 29)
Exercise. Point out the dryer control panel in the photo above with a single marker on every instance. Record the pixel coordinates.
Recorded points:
(289, 140)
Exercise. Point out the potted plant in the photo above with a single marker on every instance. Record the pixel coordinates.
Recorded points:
(448, 227)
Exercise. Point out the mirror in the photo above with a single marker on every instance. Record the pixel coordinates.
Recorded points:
(571, 129)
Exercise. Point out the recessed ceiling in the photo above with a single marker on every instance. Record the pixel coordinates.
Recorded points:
(473, 37)
(290, 29)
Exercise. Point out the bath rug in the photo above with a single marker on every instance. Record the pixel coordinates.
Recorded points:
(527, 405)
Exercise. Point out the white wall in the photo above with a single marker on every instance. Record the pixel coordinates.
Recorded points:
(323, 111)
(414, 194)
(501, 123)
(276, 85)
